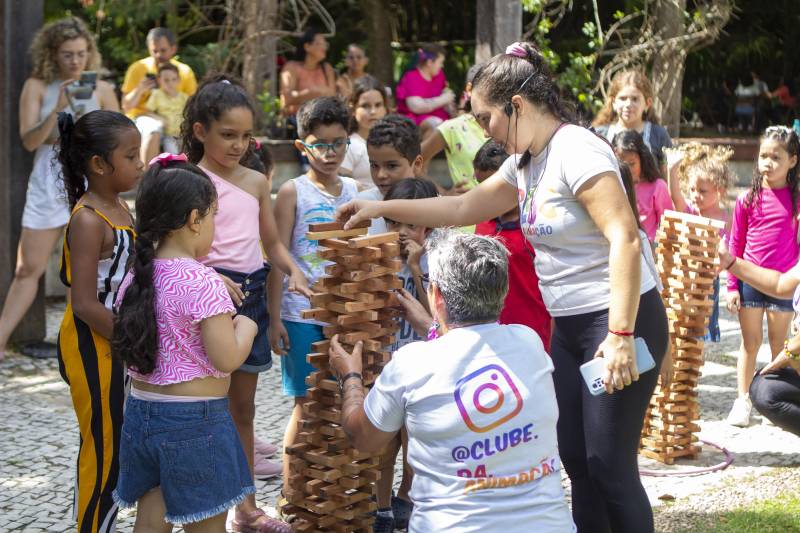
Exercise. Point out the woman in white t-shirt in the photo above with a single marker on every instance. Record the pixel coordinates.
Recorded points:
(574, 212)
(478, 403)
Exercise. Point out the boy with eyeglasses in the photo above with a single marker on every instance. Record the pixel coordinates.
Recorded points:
(308, 199)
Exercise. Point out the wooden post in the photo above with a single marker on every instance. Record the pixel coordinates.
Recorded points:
(19, 21)
(499, 23)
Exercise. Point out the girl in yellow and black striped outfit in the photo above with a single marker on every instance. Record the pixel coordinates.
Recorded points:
(101, 149)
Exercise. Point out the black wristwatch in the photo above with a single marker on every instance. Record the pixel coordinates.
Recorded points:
(347, 376)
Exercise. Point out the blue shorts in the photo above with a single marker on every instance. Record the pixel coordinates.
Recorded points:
(191, 450)
(752, 297)
(254, 307)
(294, 366)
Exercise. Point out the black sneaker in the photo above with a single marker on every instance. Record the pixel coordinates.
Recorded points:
(402, 512)
(383, 524)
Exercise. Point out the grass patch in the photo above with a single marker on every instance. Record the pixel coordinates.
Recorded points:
(781, 515)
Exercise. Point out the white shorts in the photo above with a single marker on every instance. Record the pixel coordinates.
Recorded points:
(148, 125)
(46, 205)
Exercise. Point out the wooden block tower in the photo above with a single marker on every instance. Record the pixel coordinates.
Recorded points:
(687, 263)
(330, 483)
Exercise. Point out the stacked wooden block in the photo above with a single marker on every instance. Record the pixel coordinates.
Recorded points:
(330, 483)
(687, 263)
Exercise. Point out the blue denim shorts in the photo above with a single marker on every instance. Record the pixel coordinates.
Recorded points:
(254, 307)
(752, 297)
(191, 450)
(294, 366)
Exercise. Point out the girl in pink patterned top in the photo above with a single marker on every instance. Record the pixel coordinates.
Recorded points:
(180, 455)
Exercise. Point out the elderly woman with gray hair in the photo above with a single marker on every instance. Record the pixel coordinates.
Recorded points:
(478, 403)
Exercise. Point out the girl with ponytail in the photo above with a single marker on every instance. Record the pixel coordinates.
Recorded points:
(175, 329)
(99, 159)
(575, 214)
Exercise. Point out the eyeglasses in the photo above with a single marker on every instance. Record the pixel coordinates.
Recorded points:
(354, 58)
(69, 56)
(323, 148)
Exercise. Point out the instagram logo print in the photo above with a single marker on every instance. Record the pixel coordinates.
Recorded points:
(487, 398)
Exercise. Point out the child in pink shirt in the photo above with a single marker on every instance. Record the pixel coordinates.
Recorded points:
(652, 193)
(764, 232)
(181, 459)
(422, 93)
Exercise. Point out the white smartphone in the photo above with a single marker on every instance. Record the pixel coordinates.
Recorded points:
(594, 370)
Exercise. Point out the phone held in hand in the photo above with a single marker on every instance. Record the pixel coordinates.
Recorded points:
(84, 87)
(594, 370)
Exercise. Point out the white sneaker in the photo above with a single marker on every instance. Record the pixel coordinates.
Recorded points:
(740, 412)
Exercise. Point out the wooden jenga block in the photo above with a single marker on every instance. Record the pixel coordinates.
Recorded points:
(687, 260)
(331, 483)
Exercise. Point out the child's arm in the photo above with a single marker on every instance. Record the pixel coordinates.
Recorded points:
(736, 245)
(276, 250)
(227, 341)
(284, 219)
(86, 235)
(431, 146)
(415, 253)
(675, 188)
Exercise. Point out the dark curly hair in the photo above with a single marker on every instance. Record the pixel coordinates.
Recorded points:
(166, 198)
(400, 133)
(788, 139)
(322, 111)
(217, 94)
(506, 75)
(489, 157)
(96, 133)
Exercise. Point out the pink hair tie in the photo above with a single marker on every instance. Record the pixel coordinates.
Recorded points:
(166, 158)
(257, 144)
(516, 49)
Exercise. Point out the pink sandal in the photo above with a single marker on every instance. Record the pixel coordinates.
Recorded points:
(258, 522)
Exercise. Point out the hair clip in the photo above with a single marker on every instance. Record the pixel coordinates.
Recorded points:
(166, 158)
(227, 82)
(517, 50)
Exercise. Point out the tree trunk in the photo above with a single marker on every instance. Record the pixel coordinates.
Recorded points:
(499, 23)
(20, 21)
(377, 14)
(669, 64)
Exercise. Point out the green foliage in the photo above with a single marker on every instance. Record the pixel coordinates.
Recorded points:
(575, 75)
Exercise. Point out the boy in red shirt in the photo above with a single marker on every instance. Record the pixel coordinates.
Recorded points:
(523, 304)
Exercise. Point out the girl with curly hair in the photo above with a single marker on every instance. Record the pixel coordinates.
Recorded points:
(61, 51)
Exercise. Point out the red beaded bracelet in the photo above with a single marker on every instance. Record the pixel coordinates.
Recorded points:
(621, 333)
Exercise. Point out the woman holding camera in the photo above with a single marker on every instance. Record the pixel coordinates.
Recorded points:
(61, 51)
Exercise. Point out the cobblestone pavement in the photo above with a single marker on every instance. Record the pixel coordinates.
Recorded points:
(39, 438)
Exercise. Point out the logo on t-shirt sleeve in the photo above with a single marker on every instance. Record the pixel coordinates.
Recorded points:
(487, 398)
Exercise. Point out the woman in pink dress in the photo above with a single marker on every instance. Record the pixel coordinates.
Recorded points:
(422, 93)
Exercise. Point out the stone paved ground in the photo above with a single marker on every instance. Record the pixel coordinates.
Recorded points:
(38, 440)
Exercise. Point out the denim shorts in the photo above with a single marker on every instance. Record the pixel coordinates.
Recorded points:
(752, 297)
(191, 450)
(294, 366)
(254, 307)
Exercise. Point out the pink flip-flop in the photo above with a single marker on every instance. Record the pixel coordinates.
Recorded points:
(258, 522)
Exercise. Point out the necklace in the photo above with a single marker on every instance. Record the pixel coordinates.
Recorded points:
(530, 194)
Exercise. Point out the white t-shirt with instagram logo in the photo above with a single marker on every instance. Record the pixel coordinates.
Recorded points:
(480, 410)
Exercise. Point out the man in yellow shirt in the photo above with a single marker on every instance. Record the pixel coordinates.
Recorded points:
(140, 81)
